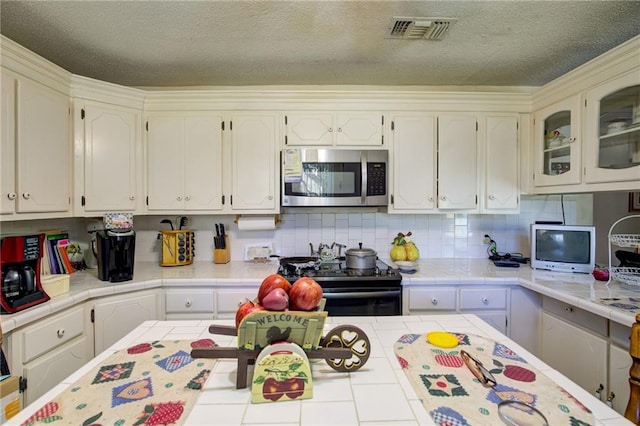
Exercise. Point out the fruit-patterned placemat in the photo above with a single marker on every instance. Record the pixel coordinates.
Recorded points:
(453, 396)
(152, 383)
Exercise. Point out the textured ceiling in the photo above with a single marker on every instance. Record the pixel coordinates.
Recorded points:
(231, 43)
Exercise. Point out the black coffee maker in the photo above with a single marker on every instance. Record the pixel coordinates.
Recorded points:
(115, 252)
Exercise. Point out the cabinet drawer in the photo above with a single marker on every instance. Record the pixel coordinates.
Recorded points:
(52, 333)
(189, 301)
(578, 316)
(483, 298)
(432, 299)
(229, 300)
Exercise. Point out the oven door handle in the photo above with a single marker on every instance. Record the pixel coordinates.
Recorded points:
(361, 294)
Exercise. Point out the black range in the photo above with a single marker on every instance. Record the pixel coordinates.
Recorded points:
(349, 291)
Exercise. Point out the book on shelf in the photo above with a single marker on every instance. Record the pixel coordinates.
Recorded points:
(53, 255)
(61, 248)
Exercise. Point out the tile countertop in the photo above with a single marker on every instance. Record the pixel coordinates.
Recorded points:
(378, 393)
(576, 289)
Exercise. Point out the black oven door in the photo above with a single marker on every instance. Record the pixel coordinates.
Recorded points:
(363, 301)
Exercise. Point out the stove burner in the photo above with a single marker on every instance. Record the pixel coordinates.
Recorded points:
(334, 270)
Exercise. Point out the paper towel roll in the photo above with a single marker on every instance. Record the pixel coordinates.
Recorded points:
(257, 223)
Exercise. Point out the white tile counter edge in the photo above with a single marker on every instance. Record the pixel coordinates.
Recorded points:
(579, 290)
(160, 330)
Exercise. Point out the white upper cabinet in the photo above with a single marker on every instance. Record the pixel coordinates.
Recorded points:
(254, 175)
(414, 163)
(110, 138)
(328, 129)
(184, 162)
(557, 143)
(457, 162)
(8, 145)
(612, 131)
(43, 156)
(501, 165)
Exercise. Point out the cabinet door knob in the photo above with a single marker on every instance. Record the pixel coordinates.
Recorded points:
(434, 301)
(572, 140)
(26, 195)
(270, 197)
(187, 198)
(60, 333)
(568, 308)
(132, 197)
(339, 129)
(188, 303)
(12, 195)
(443, 198)
(485, 301)
(179, 198)
(598, 392)
(330, 129)
(610, 399)
(492, 197)
(430, 199)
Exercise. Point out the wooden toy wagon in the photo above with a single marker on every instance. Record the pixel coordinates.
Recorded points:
(280, 344)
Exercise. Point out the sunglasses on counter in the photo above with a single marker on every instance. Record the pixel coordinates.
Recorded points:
(513, 413)
(479, 371)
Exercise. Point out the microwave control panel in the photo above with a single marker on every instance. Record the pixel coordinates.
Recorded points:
(376, 179)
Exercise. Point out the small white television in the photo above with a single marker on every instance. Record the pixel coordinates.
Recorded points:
(564, 248)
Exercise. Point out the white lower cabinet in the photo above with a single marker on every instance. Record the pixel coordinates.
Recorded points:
(427, 299)
(189, 303)
(228, 300)
(575, 343)
(524, 318)
(619, 365)
(45, 353)
(490, 304)
(115, 316)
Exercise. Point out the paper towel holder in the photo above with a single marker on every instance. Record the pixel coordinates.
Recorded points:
(276, 217)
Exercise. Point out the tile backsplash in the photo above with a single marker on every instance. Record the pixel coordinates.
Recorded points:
(436, 235)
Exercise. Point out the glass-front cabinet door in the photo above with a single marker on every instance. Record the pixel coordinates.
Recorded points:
(557, 145)
(612, 150)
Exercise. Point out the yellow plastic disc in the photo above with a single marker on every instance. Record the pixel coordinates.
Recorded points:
(442, 339)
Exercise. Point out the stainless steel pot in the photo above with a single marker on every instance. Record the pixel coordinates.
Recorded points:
(361, 258)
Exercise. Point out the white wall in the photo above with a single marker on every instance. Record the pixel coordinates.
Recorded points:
(437, 236)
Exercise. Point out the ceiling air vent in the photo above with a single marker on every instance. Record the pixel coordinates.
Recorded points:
(420, 28)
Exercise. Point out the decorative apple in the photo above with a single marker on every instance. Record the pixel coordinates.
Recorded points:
(270, 282)
(294, 386)
(271, 389)
(276, 300)
(245, 309)
(601, 274)
(305, 295)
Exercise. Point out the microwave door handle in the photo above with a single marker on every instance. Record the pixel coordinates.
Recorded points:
(363, 173)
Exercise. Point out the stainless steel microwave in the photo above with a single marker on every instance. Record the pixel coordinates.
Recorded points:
(334, 177)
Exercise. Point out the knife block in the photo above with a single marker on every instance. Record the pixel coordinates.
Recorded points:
(222, 255)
